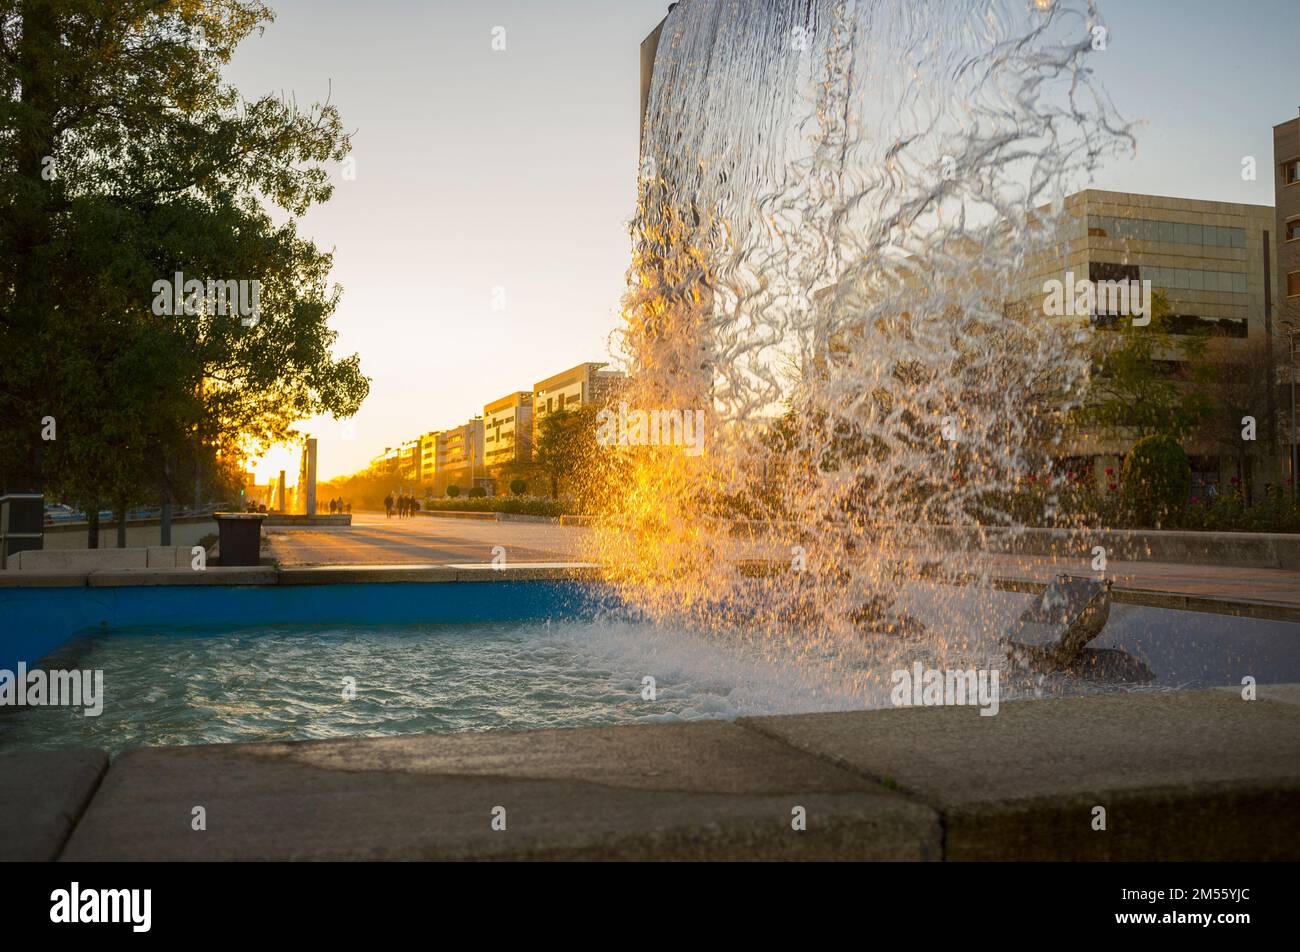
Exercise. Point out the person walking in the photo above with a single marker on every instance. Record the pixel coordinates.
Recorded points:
(388, 506)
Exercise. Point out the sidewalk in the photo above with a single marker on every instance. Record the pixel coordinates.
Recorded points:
(1258, 585)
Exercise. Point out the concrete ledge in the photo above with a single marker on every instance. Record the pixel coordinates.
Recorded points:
(490, 516)
(213, 575)
(1243, 549)
(1182, 776)
(1198, 775)
(529, 572)
(287, 519)
(458, 514)
(81, 560)
(704, 790)
(42, 795)
(43, 579)
(358, 574)
(1152, 598)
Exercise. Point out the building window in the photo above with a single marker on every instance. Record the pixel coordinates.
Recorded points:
(1293, 284)
(1293, 229)
(1291, 172)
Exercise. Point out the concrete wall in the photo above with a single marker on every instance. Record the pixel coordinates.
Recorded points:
(186, 531)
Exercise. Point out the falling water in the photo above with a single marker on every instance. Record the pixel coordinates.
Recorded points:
(837, 201)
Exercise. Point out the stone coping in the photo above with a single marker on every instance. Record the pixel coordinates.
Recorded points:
(545, 571)
(1197, 775)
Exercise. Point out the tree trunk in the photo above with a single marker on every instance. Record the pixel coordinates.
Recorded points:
(92, 525)
(121, 525)
(165, 535)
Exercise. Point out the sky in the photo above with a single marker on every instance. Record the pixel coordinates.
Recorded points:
(483, 243)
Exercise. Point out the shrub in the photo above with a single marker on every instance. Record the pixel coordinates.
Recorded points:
(523, 506)
(477, 492)
(453, 492)
(519, 486)
(1156, 479)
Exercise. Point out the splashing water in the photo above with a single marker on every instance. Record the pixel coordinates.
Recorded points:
(837, 200)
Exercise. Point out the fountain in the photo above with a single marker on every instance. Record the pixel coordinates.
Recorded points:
(835, 198)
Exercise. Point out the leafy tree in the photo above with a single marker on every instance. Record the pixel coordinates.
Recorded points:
(566, 444)
(1148, 380)
(453, 492)
(519, 486)
(1156, 479)
(124, 159)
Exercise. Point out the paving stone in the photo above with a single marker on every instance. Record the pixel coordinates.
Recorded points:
(1197, 775)
(42, 794)
(703, 790)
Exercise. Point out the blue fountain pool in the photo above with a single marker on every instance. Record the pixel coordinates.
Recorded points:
(202, 670)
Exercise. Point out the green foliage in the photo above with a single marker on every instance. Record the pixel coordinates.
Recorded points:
(516, 505)
(1149, 381)
(519, 486)
(566, 445)
(124, 159)
(1156, 479)
(477, 492)
(453, 492)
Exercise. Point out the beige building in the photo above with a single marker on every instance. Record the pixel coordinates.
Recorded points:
(408, 462)
(429, 457)
(1211, 261)
(584, 384)
(508, 429)
(460, 457)
(1286, 169)
(386, 463)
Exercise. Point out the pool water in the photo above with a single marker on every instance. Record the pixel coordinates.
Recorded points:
(260, 683)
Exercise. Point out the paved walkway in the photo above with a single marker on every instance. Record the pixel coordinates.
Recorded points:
(1274, 586)
(376, 540)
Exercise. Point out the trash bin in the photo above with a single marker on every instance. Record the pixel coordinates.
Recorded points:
(239, 536)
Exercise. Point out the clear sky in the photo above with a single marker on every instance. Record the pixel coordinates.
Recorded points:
(479, 170)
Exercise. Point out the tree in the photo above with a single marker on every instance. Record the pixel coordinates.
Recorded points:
(1156, 480)
(124, 160)
(519, 486)
(566, 444)
(1148, 380)
(1244, 423)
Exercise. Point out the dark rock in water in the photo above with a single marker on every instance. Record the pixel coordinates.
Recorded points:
(1070, 613)
(1109, 664)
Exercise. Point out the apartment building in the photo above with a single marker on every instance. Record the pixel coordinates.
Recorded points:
(408, 462)
(429, 457)
(460, 457)
(1286, 170)
(584, 384)
(508, 429)
(386, 463)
